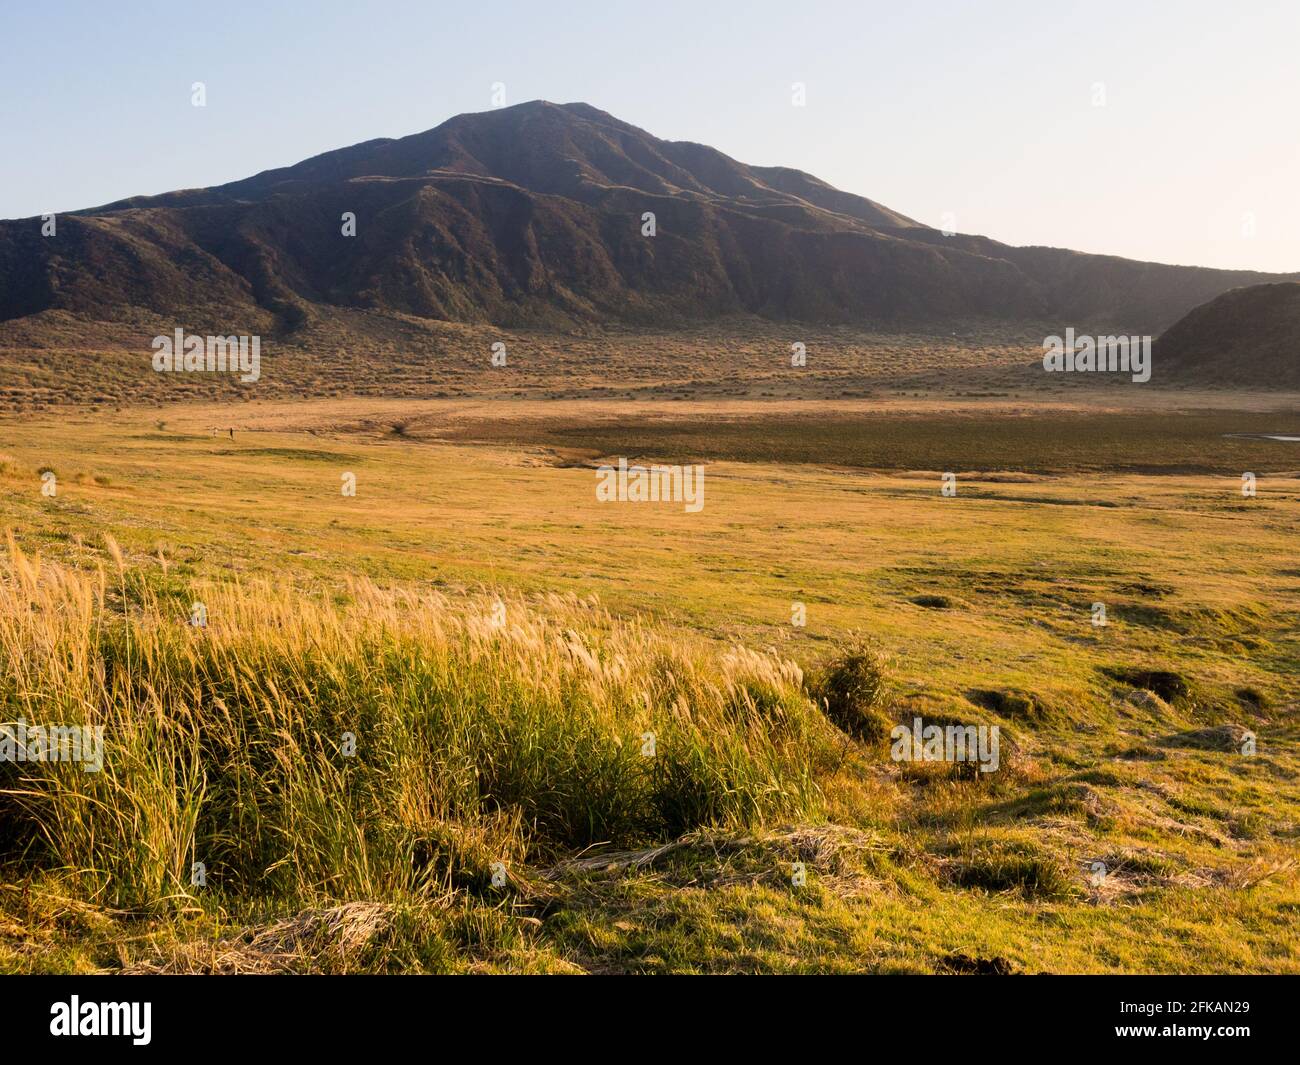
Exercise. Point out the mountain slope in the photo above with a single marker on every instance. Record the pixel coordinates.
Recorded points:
(1248, 336)
(532, 215)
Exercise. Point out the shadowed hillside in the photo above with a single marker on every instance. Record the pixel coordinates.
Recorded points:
(532, 216)
(1249, 336)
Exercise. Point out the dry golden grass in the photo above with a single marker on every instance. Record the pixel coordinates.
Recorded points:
(324, 608)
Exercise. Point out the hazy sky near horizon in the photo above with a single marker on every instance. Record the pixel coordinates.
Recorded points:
(984, 114)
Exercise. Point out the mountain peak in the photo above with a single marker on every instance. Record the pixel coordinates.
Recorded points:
(538, 213)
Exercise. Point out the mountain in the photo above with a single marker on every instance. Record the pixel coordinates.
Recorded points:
(1246, 337)
(532, 216)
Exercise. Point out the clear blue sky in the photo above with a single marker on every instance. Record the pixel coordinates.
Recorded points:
(981, 109)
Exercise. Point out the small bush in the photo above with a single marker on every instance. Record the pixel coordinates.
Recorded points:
(853, 688)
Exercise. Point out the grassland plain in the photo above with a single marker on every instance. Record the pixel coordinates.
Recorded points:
(350, 353)
(1121, 743)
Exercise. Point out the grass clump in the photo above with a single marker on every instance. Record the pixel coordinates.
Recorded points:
(1015, 705)
(1170, 685)
(853, 688)
(397, 745)
(1012, 865)
(933, 601)
(1253, 699)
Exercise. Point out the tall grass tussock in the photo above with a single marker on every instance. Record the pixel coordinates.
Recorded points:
(371, 743)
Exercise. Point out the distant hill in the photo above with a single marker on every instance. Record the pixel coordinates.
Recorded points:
(1246, 337)
(532, 216)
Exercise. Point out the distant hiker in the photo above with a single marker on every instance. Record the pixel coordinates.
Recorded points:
(232, 434)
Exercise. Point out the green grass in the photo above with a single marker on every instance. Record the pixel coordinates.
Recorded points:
(1033, 442)
(479, 744)
(314, 750)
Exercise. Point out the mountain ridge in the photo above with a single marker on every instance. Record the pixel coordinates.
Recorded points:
(531, 215)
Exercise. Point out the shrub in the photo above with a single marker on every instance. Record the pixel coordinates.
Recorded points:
(853, 688)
